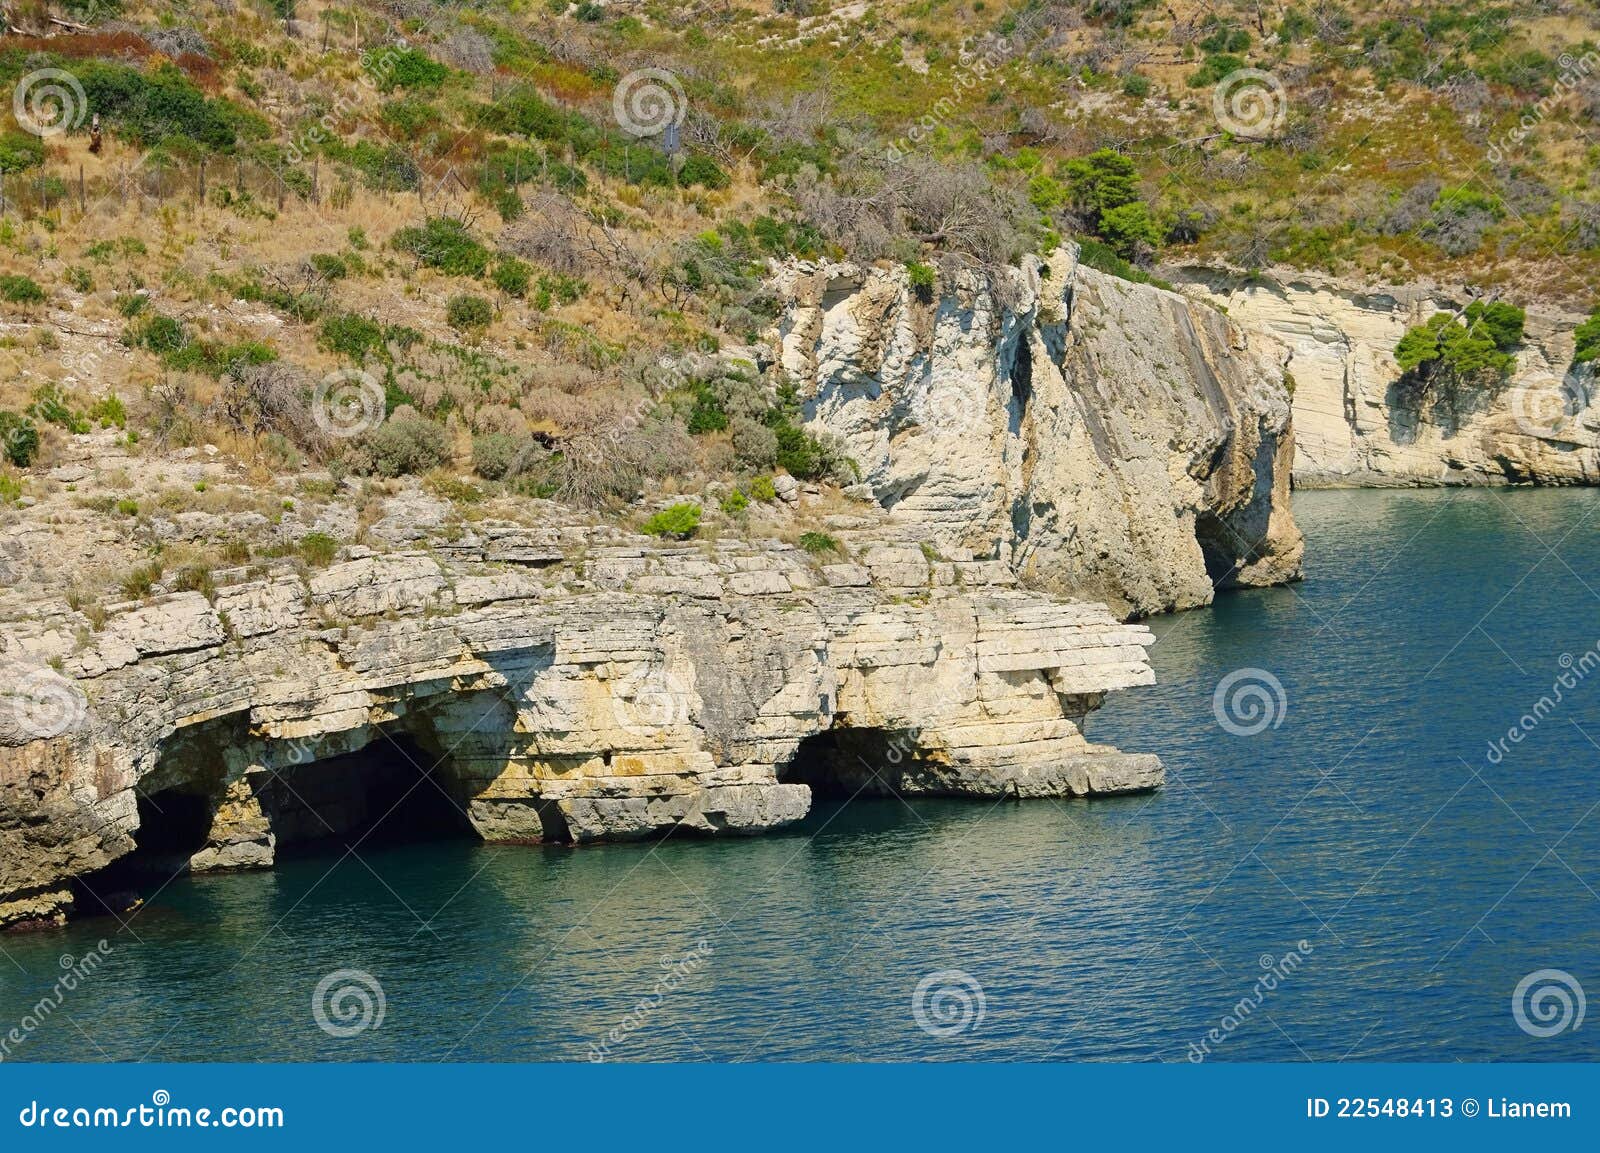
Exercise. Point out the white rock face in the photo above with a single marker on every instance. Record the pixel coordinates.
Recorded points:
(635, 690)
(1354, 427)
(1105, 439)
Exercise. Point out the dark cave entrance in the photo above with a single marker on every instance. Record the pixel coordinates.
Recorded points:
(1220, 547)
(173, 826)
(391, 792)
(841, 763)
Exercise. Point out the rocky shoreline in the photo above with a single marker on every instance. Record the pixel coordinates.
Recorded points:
(642, 691)
(1041, 460)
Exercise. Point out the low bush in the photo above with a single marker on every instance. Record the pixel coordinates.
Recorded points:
(446, 244)
(495, 454)
(21, 290)
(19, 438)
(817, 543)
(679, 521)
(318, 549)
(405, 444)
(468, 313)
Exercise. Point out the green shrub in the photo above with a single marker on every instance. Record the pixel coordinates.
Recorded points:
(446, 244)
(1214, 69)
(495, 454)
(512, 277)
(707, 415)
(1136, 85)
(19, 438)
(109, 412)
(406, 443)
(20, 151)
(679, 521)
(1102, 180)
(349, 335)
(161, 106)
(1454, 351)
(1130, 229)
(127, 506)
(10, 489)
(735, 503)
(409, 69)
(329, 266)
(318, 549)
(196, 578)
(923, 279)
(559, 289)
(1587, 337)
(160, 334)
(140, 580)
(762, 488)
(466, 312)
(21, 290)
(816, 543)
(50, 406)
(702, 170)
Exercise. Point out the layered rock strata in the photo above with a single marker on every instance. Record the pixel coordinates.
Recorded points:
(1104, 438)
(632, 690)
(1356, 425)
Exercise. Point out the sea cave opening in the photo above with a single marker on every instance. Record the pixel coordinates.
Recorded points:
(174, 824)
(389, 792)
(843, 762)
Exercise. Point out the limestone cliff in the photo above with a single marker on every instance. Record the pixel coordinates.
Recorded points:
(568, 683)
(1354, 425)
(1103, 438)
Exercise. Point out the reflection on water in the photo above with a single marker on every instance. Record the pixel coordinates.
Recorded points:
(1425, 881)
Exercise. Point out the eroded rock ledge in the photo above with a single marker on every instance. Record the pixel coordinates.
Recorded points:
(545, 686)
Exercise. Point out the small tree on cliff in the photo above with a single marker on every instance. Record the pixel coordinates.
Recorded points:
(1450, 354)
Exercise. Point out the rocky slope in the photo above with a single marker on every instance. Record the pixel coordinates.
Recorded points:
(565, 683)
(1354, 427)
(1104, 438)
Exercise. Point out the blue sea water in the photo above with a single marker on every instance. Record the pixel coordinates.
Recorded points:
(1361, 879)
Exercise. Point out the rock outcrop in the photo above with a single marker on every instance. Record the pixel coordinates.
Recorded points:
(563, 684)
(1103, 438)
(1356, 426)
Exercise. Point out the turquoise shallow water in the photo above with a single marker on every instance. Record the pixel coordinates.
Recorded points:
(1424, 879)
